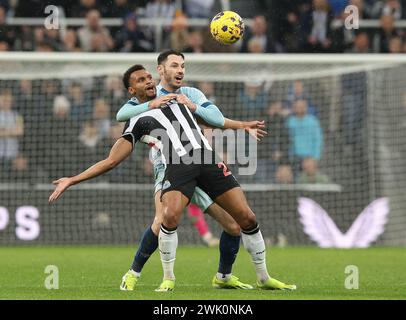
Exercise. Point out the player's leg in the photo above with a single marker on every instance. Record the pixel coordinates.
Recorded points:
(196, 216)
(173, 203)
(222, 186)
(229, 241)
(234, 202)
(149, 239)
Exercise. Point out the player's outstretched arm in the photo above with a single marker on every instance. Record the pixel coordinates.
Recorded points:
(255, 128)
(133, 109)
(121, 150)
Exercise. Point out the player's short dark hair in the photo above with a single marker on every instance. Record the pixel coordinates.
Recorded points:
(127, 74)
(163, 56)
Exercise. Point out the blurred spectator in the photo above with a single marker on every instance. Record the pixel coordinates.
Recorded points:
(297, 92)
(164, 9)
(208, 89)
(255, 46)
(125, 171)
(278, 134)
(7, 34)
(253, 98)
(273, 151)
(22, 171)
(395, 45)
(81, 109)
(130, 38)
(59, 144)
(386, 32)
(71, 41)
(89, 139)
(160, 9)
(93, 36)
(284, 174)
(198, 8)
(259, 34)
(194, 42)
(25, 40)
(311, 174)
(101, 116)
(28, 108)
(25, 99)
(5, 4)
(179, 34)
(361, 43)
(114, 94)
(341, 37)
(39, 37)
(48, 90)
(305, 133)
(51, 38)
(354, 103)
(285, 16)
(316, 27)
(82, 8)
(119, 8)
(11, 128)
(115, 132)
(4, 46)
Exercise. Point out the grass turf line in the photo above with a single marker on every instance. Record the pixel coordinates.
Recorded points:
(95, 273)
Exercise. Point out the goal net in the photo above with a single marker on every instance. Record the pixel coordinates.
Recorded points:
(331, 171)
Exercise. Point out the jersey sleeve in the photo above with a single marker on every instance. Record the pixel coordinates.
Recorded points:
(131, 109)
(205, 109)
(132, 134)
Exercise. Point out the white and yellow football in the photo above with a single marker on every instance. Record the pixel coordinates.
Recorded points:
(227, 27)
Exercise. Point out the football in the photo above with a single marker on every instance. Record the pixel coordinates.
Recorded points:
(227, 27)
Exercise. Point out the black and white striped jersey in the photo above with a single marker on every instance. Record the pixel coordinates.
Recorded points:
(175, 127)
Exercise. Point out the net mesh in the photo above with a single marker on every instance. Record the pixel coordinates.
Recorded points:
(57, 117)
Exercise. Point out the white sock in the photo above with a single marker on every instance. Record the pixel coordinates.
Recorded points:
(255, 245)
(223, 276)
(137, 274)
(168, 242)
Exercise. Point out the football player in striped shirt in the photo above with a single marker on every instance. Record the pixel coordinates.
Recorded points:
(171, 68)
(145, 89)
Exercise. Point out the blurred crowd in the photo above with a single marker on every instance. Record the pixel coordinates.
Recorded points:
(52, 128)
(278, 26)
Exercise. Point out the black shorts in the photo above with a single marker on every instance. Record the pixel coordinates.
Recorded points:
(214, 179)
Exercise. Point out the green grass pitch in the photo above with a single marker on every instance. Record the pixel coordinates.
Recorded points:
(95, 273)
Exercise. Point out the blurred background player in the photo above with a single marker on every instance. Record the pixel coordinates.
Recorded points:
(196, 216)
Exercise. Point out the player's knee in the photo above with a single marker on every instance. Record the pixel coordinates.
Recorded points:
(234, 229)
(248, 220)
(171, 217)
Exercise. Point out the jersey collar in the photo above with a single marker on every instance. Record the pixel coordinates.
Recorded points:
(161, 89)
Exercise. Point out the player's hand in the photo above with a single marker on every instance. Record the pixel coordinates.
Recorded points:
(183, 99)
(161, 101)
(61, 185)
(256, 129)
